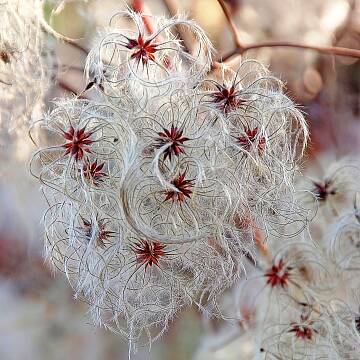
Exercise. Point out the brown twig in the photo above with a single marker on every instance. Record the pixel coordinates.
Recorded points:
(242, 48)
(48, 29)
(185, 36)
(4, 82)
(330, 50)
(70, 89)
(140, 7)
(234, 29)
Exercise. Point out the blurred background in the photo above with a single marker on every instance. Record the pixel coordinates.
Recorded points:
(39, 317)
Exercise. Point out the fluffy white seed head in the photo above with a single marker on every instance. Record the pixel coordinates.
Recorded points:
(157, 194)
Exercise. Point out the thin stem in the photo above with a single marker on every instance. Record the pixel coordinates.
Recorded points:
(139, 6)
(242, 48)
(70, 89)
(73, 68)
(67, 87)
(185, 36)
(48, 29)
(234, 30)
(4, 82)
(330, 50)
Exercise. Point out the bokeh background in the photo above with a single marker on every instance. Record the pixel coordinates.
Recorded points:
(39, 317)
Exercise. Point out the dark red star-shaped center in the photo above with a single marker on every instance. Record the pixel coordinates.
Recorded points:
(93, 171)
(183, 187)
(174, 137)
(144, 50)
(322, 190)
(278, 274)
(149, 252)
(227, 98)
(78, 142)
(102, 234)
(302, 331)
(249, 138)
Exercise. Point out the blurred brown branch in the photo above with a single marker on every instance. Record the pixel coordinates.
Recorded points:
(48, 29)
(332, 50)
(242, 48)
(185, 36)
(234, 30)
(140, 7)
(5, 83)
(67, 87)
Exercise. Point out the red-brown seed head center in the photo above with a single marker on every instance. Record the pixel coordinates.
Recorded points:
(183, 187)
(144, 50)
(175, 137)
(102, 234)
(227, 98)
(302, 331)
(322, 190)
(149, 253)
(357, 323)
(78, 142)
(278, 274)
(249, 137)
(94, 170)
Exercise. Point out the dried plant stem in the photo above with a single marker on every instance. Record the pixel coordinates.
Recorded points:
(233, 28)
(4, 82)
(140, 7)
(70, 89)
(48, 29)
(187, 39)
(242, 48)
(330, 50)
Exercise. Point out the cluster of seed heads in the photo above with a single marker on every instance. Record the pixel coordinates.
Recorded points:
(169, 180)
(175, 183)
